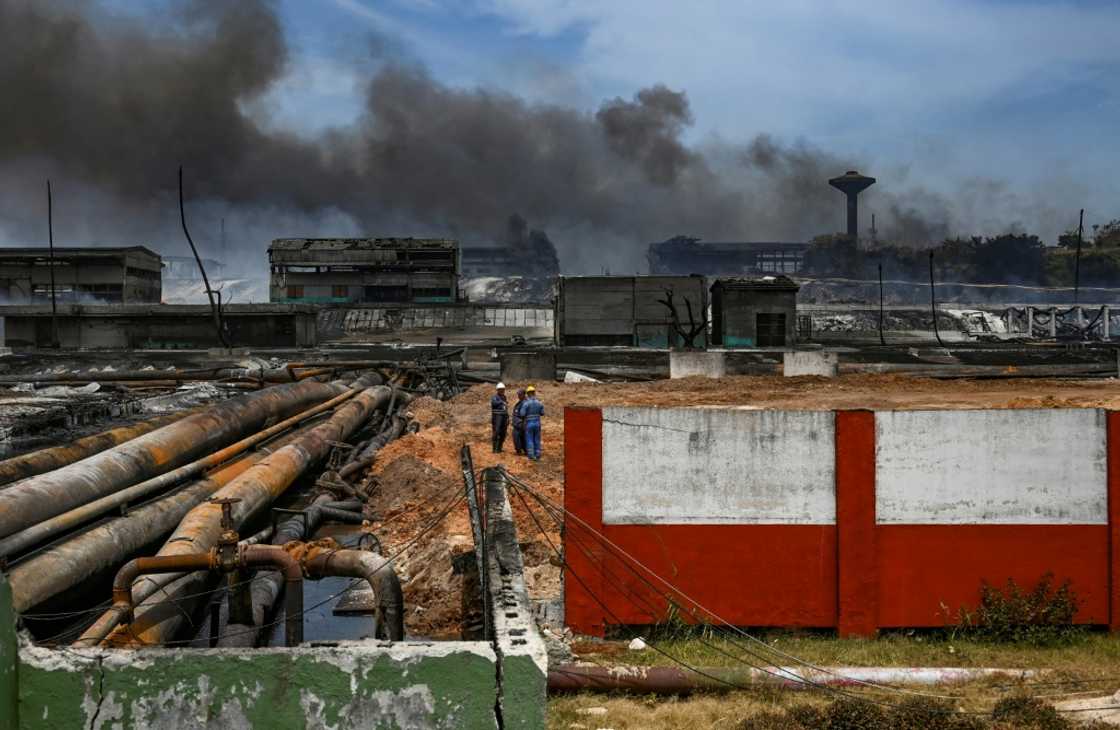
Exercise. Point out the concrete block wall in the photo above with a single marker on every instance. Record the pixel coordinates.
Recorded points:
(857, 520)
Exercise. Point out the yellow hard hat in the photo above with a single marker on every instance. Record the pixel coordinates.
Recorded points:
(530, 389)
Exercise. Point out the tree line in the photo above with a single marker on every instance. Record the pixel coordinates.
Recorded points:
(1010, 258)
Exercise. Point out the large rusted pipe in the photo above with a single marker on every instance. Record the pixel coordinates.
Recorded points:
(249, 556)
(56, 457)
(36, 534)
(266, 587)
(52, 571)
(375, 570)
(41, 497)
(259, 486)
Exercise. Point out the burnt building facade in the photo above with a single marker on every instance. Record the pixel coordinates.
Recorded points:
(364, 270)
(87, 275)
(684, 255)
(627, 311)
(754, 312)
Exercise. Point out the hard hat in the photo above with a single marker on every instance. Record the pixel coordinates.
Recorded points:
(530, 389)
(501, 386)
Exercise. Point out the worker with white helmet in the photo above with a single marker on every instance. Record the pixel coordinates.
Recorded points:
(532, 412)
(499, 418)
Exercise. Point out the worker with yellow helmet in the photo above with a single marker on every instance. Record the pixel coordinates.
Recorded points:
(532, 411)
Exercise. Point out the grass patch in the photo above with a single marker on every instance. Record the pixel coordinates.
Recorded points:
(1088, 651)
(1091, 656)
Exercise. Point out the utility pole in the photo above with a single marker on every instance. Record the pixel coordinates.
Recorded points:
(55, 344)
(933, 302)
(882, 340)
(1077, 259)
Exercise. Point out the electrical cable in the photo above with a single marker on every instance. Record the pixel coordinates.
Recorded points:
(519, 484)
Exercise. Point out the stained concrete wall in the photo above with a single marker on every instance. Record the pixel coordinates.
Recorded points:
(705, 364)
(1029, 467)
(523, 659)
(536, 321)
(810, 362)
(718, 465)
(352, 685)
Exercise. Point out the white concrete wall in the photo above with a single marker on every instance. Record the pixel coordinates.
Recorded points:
(706, 364)
(811, 362)
(718, 465)
(991, 466)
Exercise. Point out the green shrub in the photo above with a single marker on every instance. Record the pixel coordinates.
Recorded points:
(1042, 616)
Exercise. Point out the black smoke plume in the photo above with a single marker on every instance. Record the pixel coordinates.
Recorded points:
(109, 107)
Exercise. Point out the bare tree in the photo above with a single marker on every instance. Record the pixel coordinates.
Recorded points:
(687, 334)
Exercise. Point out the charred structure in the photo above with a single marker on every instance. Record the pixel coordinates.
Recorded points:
(93, 275)
(363, 270)
(682, 255)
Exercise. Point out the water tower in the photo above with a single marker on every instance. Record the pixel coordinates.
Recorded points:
(851, 183)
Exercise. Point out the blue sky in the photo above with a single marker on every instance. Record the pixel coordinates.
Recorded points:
(928, 92)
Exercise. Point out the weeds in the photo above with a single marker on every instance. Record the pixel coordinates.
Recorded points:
(1042, 616)
(1028, 712)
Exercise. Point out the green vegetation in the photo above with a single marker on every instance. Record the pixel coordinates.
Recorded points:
(1041, 616)
(1011, 258)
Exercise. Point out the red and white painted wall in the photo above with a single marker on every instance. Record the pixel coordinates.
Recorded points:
(858, 520)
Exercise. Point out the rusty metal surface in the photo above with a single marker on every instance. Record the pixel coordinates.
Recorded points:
(41, 497)
(378, 572)
(68, 520)
(258, 487)
(56, 457)
(52, 571)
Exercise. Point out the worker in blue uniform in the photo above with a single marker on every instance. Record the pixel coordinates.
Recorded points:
(517, 424)
(532, 411)
(499, 418)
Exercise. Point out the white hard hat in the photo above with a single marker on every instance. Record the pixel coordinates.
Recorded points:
(501, 386)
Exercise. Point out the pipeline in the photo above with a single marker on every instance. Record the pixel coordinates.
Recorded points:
(41, 497)
(266, 588)
(52, 571)
(678, 681)
(375, 570)
(56, 457)
(68, 520)
(248, 556)
(259, 486)
(364, 458)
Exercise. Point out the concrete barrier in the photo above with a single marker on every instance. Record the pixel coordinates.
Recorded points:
(810, 362)
(527, 367)
(856, 520)
(702, 363)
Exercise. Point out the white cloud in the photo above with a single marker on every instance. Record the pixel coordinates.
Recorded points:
(787, 64)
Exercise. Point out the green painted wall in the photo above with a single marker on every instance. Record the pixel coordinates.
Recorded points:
(446, 685)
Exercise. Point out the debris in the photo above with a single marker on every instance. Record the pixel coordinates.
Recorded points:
(637, 644)
(572, 376)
